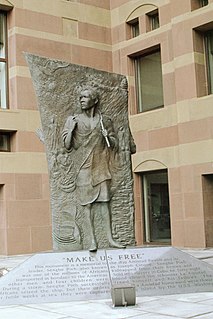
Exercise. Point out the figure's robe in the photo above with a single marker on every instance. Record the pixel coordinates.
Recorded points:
(91, 174)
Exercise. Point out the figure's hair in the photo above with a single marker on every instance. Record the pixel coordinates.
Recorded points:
(93, 92)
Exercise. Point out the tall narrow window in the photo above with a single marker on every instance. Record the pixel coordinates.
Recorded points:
(209, 59)
(153, 20)
(1, 192)
(3, 62)
(148, 81)
(5, 141)
(134, 28)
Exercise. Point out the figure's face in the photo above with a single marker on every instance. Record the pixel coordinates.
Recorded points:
(86, 100)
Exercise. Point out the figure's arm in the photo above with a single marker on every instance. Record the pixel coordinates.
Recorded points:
(113, 140)
(67, 133)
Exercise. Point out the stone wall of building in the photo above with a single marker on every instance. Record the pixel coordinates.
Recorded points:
(77, 32)
(177, 137)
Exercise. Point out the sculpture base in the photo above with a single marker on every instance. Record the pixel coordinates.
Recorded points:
(81, 275)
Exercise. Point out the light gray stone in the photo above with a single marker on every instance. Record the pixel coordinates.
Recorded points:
(69, 276)
(88, 153)
(159, 271)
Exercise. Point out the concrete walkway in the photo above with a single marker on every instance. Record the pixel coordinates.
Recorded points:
(198, 305)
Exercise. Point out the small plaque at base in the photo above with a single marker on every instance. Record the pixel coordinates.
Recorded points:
(123, 295)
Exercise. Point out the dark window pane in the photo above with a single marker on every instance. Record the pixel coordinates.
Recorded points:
(149, 86)
(2, 35)
(154, 21)
(4, 142)
(156, 207)
(135, 30)
(134, 25)
(204, 3)
(209, 59)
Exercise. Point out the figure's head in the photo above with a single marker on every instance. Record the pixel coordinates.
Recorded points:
(88, 98)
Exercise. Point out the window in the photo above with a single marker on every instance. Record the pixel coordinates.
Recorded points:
(203, 48)
(1, 192)
(134, 25)
(196, 4)
(208, 39)
(156, 209)
(203, 3)
(153, 20)
(3, 62)
(5, 141)
(148, 81)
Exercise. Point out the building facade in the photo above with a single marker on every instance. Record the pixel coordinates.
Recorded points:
(165, 48)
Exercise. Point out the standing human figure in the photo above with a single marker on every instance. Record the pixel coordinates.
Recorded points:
(92, 137)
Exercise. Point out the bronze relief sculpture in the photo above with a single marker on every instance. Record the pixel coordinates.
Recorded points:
(84, 116)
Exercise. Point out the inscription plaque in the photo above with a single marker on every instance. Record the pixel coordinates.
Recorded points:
(159, 271)
(59, 277)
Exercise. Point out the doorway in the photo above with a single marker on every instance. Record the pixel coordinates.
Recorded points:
(207, 187)
(156, 212)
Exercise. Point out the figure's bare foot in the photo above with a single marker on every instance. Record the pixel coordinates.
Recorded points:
(114, 244)
(93, 247)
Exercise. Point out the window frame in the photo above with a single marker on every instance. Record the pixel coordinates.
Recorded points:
(147, 212)
(203, 3)
(204, 74)
(198, 4)
(138, 93)
(134, 28)
(4, 60)
(8, 135)
(151, 20)
(209, 72)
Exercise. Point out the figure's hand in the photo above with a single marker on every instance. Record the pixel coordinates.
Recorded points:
(105, 135)
(104, 132)
(73, 123)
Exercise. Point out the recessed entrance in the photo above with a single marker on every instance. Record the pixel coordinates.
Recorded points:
(156, 212)
(207, 184)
